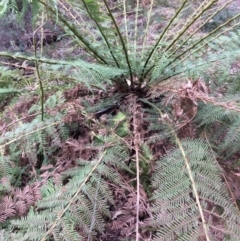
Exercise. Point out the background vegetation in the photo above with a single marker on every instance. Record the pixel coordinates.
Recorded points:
(119, 120)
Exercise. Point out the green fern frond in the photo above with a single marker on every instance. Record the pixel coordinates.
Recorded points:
(3, 7)
(7, 91)
(31, 225)
(10, 170)
(33, 138)
(209, 114)
(67, 231)
(160, 67)
(81, 212)
(231, 143)
(117, 156)
(8, 77)
(85, 73)
(221, 125)
(53, 101)
(177, 214)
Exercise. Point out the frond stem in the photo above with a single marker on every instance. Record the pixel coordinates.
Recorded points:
(73, 29)
(29, 133)
(183, 71)
(202, 39)
(136, 147)
(136, 28)
(215, 13)
(125, 21)
(101, 31)
(195, 191)
(189, 23)
(122, 42)
(147, 27)
(38, 72)
(160, 38)
(73, 198)
(194, 45)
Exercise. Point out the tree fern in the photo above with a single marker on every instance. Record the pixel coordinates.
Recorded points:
(131, 138)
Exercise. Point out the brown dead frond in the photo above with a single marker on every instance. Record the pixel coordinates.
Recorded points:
(18, 202)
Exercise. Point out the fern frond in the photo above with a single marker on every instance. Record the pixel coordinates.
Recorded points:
(80, 212)
(8, 169)
(175, 205)
(5, 93)
(222, 124)
(32, 225)
(231, 143)
(3, 7)
(67, 230)
(209, 114)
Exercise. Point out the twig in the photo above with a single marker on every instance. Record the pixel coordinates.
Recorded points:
(73, 198)
(136, 147)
